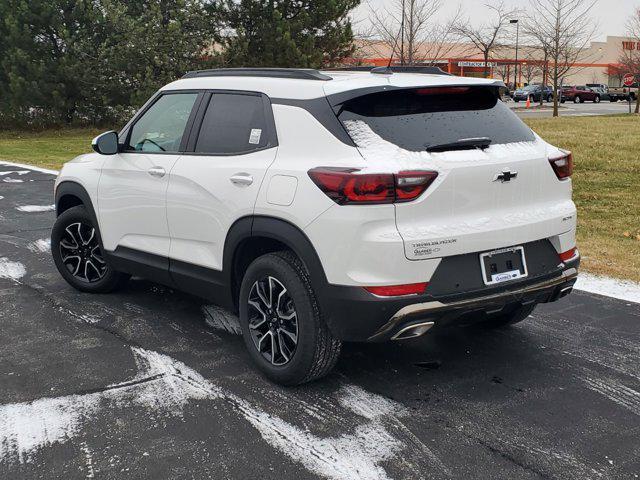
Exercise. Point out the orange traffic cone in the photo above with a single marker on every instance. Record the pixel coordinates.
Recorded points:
(528, 102)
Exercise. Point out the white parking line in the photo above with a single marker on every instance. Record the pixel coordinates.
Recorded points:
(607, 286)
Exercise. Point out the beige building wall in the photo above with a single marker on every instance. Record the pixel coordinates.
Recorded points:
(599, 63)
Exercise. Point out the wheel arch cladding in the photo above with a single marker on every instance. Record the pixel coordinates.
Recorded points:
(72, 194)
(250, 237)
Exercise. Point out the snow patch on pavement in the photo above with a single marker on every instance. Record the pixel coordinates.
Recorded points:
(12, 180)
(40, 246)
(610, 287)
(11, 270)
(30, 167)
(35, 208)
(617, 392)
(17, 172)
(165, 386)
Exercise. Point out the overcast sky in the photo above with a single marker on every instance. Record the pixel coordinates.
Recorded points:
(610, 14)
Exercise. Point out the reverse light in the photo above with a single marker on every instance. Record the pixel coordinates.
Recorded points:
(562, 165)
(568, 255)
(346, 186)
(398, 290)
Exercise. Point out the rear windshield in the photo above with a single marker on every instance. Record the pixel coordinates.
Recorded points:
(414, 119)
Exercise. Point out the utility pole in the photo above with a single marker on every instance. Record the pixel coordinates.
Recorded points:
(515, 69)
(402, 36)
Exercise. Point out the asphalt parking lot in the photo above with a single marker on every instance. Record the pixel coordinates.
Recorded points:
(153, 383)
(570, 109)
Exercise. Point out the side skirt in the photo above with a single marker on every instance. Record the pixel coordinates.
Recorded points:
(194, 279)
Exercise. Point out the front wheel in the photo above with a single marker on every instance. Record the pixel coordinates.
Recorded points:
(282, 325)
(577, 99)
(76, 247)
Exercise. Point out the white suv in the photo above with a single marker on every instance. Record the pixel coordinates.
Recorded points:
(325, 207)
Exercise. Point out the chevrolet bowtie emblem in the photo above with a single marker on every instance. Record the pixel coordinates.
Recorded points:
(505, 176)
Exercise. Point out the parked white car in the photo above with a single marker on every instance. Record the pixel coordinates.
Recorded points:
(325, 207)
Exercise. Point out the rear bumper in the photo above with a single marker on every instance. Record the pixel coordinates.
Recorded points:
(355, 315)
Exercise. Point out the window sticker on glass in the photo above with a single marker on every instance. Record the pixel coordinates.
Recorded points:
(254, 137)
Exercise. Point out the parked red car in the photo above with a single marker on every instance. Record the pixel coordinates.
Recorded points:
(580, 94)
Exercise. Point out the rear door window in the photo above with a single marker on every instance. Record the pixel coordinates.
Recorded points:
(416, 118)
(233, 124)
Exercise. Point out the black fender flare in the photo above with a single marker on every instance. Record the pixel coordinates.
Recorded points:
(276, 229)
(76, 190)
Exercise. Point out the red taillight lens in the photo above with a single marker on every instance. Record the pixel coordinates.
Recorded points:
(562, 165)
(568, 255)
(347, 186)
(410, 185)
(398, 290)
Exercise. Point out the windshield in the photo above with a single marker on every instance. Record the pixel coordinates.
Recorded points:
(414, 119)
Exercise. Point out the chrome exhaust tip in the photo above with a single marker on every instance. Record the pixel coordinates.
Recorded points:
(565, 291)
(413, 331)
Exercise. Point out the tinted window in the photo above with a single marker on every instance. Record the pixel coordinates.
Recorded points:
(233, 124)
(161, 127)
(416, 118)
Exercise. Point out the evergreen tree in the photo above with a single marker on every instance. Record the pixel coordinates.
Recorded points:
(285, 33)
(92, 60)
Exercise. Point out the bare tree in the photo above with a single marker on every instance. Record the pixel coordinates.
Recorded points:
(563, 30)
(488, 36)
(630, 57)
(410, 28)
(531, 70)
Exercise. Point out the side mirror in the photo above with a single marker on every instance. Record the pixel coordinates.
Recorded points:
(106, 143)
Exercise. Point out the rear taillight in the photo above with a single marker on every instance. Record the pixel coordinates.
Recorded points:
(562, 165)
(568, 255)
(346, 186)
(398, 290)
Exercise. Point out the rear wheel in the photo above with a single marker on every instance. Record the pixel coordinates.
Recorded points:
(76, 247)
(512, 317)
(577, 99)
(596, 99)
(283, 328)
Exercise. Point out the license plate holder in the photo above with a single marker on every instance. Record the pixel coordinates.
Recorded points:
(503, 265)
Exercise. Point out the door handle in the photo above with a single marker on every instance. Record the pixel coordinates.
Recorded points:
(156, 172)
(242, 179)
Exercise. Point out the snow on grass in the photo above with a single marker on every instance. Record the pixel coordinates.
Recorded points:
(11, 270)
(35, 208)
(610, 287)
(40, 246)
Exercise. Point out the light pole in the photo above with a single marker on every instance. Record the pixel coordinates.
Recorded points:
(515, 70)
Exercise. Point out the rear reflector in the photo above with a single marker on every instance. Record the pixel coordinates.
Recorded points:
(398, 290)
(347, 186)
(568, 255)
(562, 165)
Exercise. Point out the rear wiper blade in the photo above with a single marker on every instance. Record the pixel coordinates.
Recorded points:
(461, 144)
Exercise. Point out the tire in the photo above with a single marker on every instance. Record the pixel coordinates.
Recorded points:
(511, 318)
(577, 99)
(516, 100)
(271, 345)
(550, 99)
(596, 99)
(76, 247)
(562, 101)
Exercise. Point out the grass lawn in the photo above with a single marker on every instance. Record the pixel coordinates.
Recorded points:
(606, 188)
(606, 179)
(48, 149)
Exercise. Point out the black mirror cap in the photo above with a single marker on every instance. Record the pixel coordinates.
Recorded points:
(106, 143)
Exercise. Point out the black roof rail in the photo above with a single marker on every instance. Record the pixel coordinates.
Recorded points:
(395, 69)
(294, 73)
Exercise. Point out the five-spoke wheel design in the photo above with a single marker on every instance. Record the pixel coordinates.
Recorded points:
(273, 322)
(80, 252)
